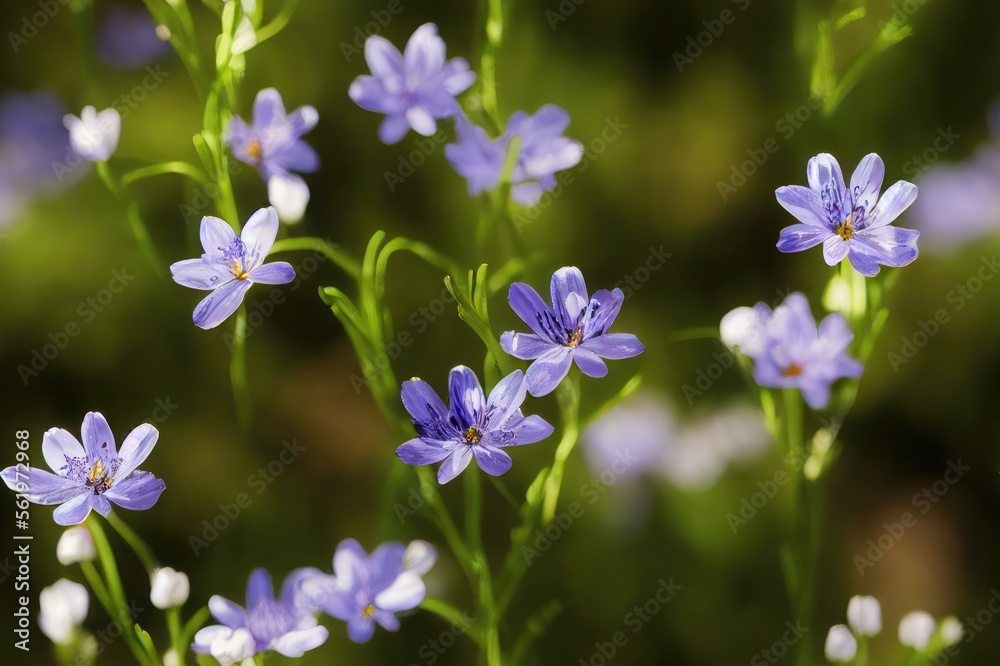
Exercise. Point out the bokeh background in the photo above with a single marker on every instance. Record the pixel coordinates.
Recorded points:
(653, 186)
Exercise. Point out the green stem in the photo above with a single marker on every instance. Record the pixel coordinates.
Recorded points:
(278, 23)
(99, 588)
(116, 591)
(238, 369)
(451, 615)
(569, 406)
(143, 551)
(179, 168)
(342, 259)
(494, 37)
(176, 634)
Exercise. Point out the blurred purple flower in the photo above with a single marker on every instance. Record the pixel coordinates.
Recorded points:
(795, 354)
(273, 145)
(574, 328)
(366, 590)
(543, 152)
(414, 88)
(474, 427)
(231, 264)
(91, 475)
(285, 625)
(852, 223)
(127, 38)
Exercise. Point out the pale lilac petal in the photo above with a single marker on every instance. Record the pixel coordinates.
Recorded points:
(100, 504)
(804, 204)
(276, 272)
(299, 156)
(296, 643)
(835, 249)
(835, 332)
(57, 445)
(900, 245)
(492, 461)
(865, 258)
(867, 181)
(548, 370)
(424, 54)
(259, 233)
(41, 487)
(136, 493)
(198, 274)
(824, 173)
(350, 564)
(385, 565)
(614, 346)
(97, 438)
(227, 612)
(525, 346)
(136, 448)
(220, 304)
(530, 430)
(384, 59)
(800, 237)
(406, 592)
(590, 363)
(260, 589)
(421, 121)
(457, 77)
(207, 635)
(215, 234)
(454, 464)
(370, 94)
(393, 129)
(268, 109)
(506, 397)
(386, 619)
(892, 204)
(74, 511)
(419, 451)
(302, 120)
(361, 629)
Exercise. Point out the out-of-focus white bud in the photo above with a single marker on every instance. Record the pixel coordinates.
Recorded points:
(75, 545)
(952, 630)
(169, 588)
(841, 646)
(64, 607)
(419, 557)
(864, 614)
(94, 136)
(742, 329)
(916, 630)
(289, 195)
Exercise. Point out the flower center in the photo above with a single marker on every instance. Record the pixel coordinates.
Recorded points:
(793, 370)
(369, 610)
(100, 478)
(236, 256)
(253, 150)
(845, 230)
(576, 338)
(473, 435)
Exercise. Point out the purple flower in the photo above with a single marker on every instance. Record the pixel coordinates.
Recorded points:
(794, 354)
(231, 265)
(127, 38)
(366, 590)
(575, 328)
(474, 427)
(414, 88)
(853, 222)
(543, 152)
(273, 145)
(285, 625)
(91, 475)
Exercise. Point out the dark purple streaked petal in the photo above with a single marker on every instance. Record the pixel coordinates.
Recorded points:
(136, 493)
(892, 204)
(525, 346)
(41, 487)
(136, 448)
(227, 612)
(835, 249)
(296, 643)
(98, 439)
(804, 204)
(800, 237)
(569, 295)
(530, 430)
(590, 363)
(454, 464)
(609, 305)
(276, 272)
(429, 414)
(215, 234)
(468, 404)
(198, 274)
(529, 306)
(492, 461)
(548, 370)
(824, 174)
(73, 512)
(220, 304)
(614, 346)
(57, 445)
(867, 181)
(506, 398)
(259, 233)
(360, 629)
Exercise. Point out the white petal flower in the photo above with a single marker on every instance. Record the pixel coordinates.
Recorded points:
(916, 630)
(289, 195)
(75, 545)
(94, 136)
(952, 630)
(419, 557)
(742, 329)
(64, 606)
(841, 646)
(169, 588)
(864, 614)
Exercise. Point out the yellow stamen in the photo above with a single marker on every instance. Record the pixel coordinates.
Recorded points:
(253, 150)
(369, 610)
(845, 230)
(576, 338)
(794, 370)
(473, 435)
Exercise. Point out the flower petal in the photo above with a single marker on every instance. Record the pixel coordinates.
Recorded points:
(296, 643)
(867, 181)
(492, 461)
(548, 370)
(360, 629)
(198, 274)
(529, 306)
(800, 237)
(420, 451)
(835, 249)
(421, 120)
(227, 612)
(569, 295)
(454, 464)
(259, 232)
(97, 438)
(384, 60)
(804, 204)
(530, 430)
(525, 346)
(136, 493)
(276, 272)
(73, 512)
(614, 346)
(215, 235)
(268, 109)
(57, 445)
(136, 448)
(406, 592)
(590, 363)
(428, 413)
(825, 175)
(220, 304)
(423, 56)
(900, 245)
(350, 564)
(393, 129)
(599, 320)
(864, 258)
(468, 403)
(892, 204)
(260, 590)
(506, 398)
(41, 487)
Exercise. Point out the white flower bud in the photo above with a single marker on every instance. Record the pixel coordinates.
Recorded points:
(419, 557)
(170, 658)
(245, 37)
(952, 630)
(864, 614)
(742, 329)
(169, 588)
(841, 646)
(64, 607)
(94, 136)
(289, 195)
(916, 630)
(236, 648)
(75, 545)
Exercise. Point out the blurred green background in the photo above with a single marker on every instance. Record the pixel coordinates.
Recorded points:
(654, 185)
